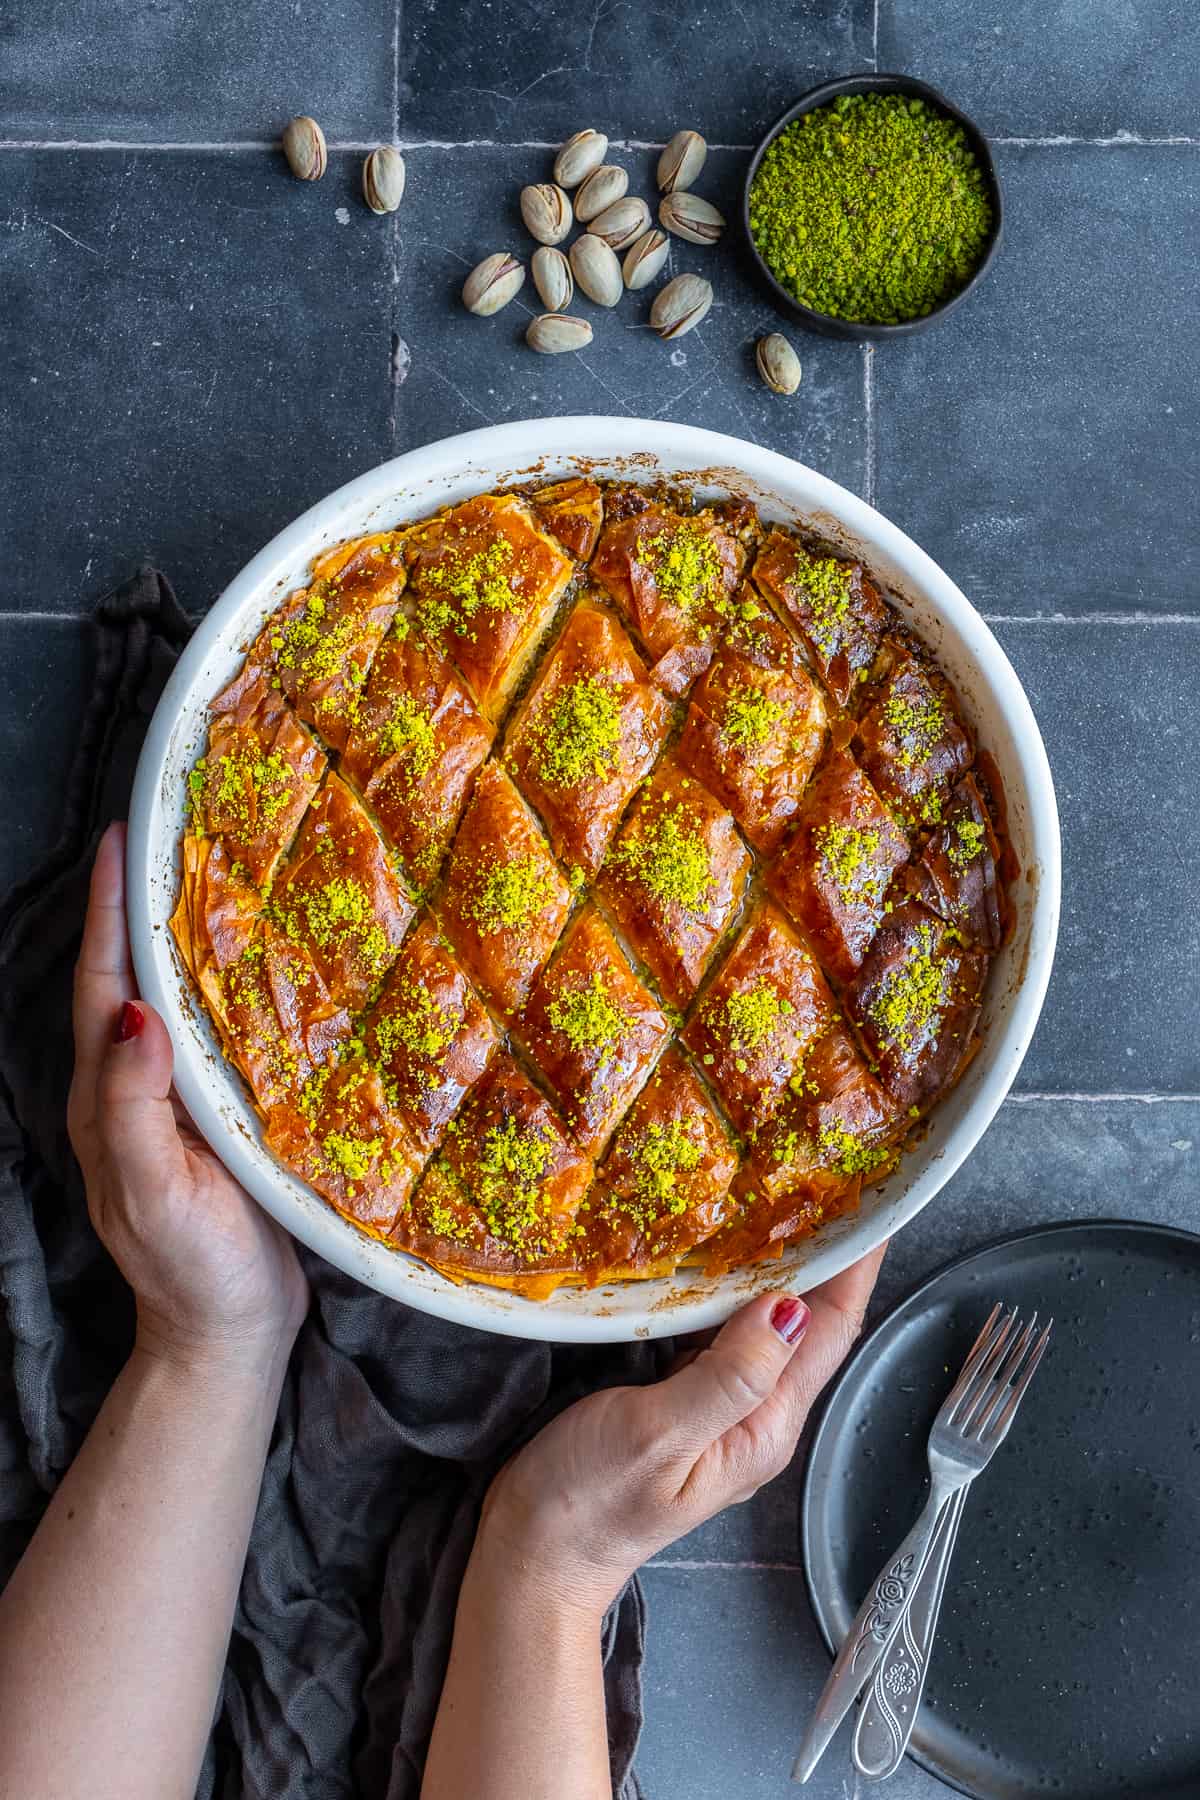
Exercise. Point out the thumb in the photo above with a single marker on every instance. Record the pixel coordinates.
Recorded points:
(134, 1118)
(739, 1370)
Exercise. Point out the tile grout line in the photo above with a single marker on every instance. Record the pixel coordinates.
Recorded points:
(875, 37)
(77, 615)
(871, 445)
(1034, 1097)
(1122, 141)
(397, 349)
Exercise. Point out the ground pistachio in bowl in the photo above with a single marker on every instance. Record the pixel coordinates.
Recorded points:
(873, 209)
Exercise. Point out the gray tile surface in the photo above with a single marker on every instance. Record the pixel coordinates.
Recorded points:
(1041, 442)
(1087, 67)
(164, 73)
(464, 372)
(528, 71)
(194, 349)
(44, 669)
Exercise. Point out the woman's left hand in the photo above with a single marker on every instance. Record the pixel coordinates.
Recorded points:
(622, 1474)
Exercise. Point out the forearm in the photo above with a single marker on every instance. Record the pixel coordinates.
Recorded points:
(522, 1710)
(114, 1628)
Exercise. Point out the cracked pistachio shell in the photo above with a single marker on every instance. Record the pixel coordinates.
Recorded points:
(602, 187)
(777, 363)
(492, 284)
(681, 305)
(579, 156)
(383, 179)
(553, 333)
(552, 278)
(681, 161)
(596, 269)
(546, 211)
(622, 224)
(304, 146)
(690, 217)
(646, 258)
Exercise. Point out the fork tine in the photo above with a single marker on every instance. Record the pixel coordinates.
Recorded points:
(974, 1355)
(982, 1374)
(988, 1401)
(997, 1429)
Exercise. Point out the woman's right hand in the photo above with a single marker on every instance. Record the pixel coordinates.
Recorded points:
(217, 1282)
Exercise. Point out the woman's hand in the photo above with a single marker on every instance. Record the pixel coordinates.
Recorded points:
(622, 1474)
(216, 1280)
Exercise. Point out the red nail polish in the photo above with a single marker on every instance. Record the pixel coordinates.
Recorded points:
(131, 1022)
(790, 1318)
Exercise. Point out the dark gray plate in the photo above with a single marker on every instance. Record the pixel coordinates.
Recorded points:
(1069, 1643)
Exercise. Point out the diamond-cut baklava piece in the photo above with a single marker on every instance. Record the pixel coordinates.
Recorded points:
(572, 511)
(318, 646)
(485, 580)
(916, 1001)
(587, 735)
(835, 606)
(505, 900)
(675, 878)
(663, 1186)
(429, 1035)
(253, 785)
(958, 873)
(674, 578)
(348, 1141)
(216, 913)
(593, 1030)
(768, 1002)
(501, 1197)
(910, 740)
(340, 897)
(834, 872)
(753, 734)
(277, 1017)
(835, 1130)
(416, 746)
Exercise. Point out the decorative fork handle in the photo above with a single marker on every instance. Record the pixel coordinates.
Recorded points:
(889, 1711)
(868, 1635)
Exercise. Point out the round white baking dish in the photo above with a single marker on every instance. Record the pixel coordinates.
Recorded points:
(716, 465)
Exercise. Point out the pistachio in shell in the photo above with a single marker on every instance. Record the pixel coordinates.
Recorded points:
(777, 363)
(681, 161)
(603, 186)
(644, 260)
(690, 217)
(546, 210)
(383, 179)
(622, 223)
(304, 146)
(576, 159)
(680, 306)
(596, 269)
(492, 284)
(552, 278)
(551, 334)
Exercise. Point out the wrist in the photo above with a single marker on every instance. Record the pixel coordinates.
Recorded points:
(206, 1360)
(529, 1568)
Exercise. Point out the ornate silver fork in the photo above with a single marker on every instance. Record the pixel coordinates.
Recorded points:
(972, 1423)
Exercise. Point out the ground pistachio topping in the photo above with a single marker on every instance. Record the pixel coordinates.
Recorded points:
(338, 909)
(686, 565)
(408, 733)
(588, 1017)
(750, 717)
(454, 590)
(918, 724)
(823, 584)
(353, 1156)
(841, 1150)
(966, 843)
(751, 1017)
(577, 735)
(659, 1155)
(669, 859)
(911, 997)
(846, 852)
(509, 894)
(251, 787)
(510, 1168)
(414, 1022)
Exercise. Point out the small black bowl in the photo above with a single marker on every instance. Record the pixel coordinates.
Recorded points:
(876, 84)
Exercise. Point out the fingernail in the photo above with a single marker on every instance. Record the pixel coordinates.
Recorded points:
(790, 1318)
(131, 1021)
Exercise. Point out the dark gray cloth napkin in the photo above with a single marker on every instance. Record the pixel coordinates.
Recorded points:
(391, 1423)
